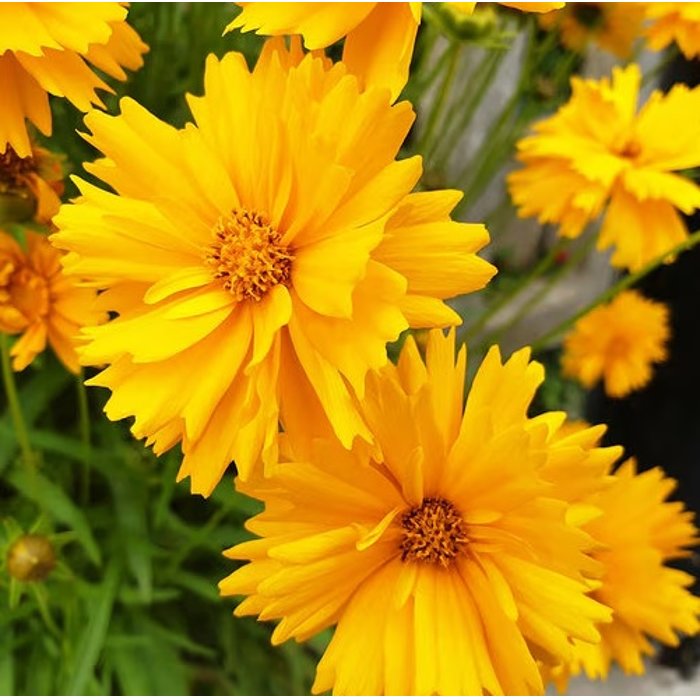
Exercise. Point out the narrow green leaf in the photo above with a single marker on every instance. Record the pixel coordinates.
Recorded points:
(54, 500)
(7, 663)
(92, 639)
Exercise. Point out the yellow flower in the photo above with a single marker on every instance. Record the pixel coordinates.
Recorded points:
(677, 22)
(277, 236)
(443, 556)
(618, 342)
(37, 179)
(39, 302)
(379, 36)
(45, 48)
(596, 149)
(614, 26)
(638, 532)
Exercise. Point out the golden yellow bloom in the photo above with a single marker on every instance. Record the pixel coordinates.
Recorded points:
(597, 151)
(638, 532)
(379, 36)
(37, 179)
(46, 48)
(614, 26)
(276, 236)
(444, 556)
(618, 343)
(41, 303)
(674, 22)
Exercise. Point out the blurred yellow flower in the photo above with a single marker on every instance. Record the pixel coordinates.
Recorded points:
(37, 178)
(444, 557)
(614, 26)
(45, 48)
(677, 22)
(638, 532)
(379, 36)
(277, 236)
(618, 343)
(39, 302)
(597, 151)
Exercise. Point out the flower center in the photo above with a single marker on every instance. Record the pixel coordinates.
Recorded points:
(248, 256)
(589, 14)
(630, 149)
(14, 170)
(433, 532)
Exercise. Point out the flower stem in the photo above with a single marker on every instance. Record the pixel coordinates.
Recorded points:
(424, 146)
(534, 301)
(84, 425)
(623, 284)
(14, 407)
(460, 115)
(539, 269)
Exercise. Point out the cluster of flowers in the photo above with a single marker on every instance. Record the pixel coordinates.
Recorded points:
(255, 264)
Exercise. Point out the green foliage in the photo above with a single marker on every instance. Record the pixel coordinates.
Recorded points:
(132, 606)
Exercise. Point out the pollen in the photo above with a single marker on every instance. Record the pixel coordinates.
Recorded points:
(433, 532)
(248, 256)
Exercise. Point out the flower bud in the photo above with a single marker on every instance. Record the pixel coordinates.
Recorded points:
(31, 558)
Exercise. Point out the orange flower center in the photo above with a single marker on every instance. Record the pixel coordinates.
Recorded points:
(631, 150)
(589, 14)
(14, 170)
(248, 256)
(433, 532)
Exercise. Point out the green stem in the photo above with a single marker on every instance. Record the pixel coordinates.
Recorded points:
(534, 301)
(477, 88)
(424, 144)
(84, 425)
(623, 284)
(660, 67)
(539, 269)
(14, 407)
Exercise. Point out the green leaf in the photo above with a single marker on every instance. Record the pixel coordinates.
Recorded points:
(92, 640)
(54, 500)
(7, 663)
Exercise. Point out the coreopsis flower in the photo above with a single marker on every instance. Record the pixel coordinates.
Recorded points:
(379, 36)
(619, 343)
(39, 303)
(36, 178)
(638, 532)
(674, 22)
(276, 236)
(613, 26)
(444, 555)
(598, 155)
(48, 49)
